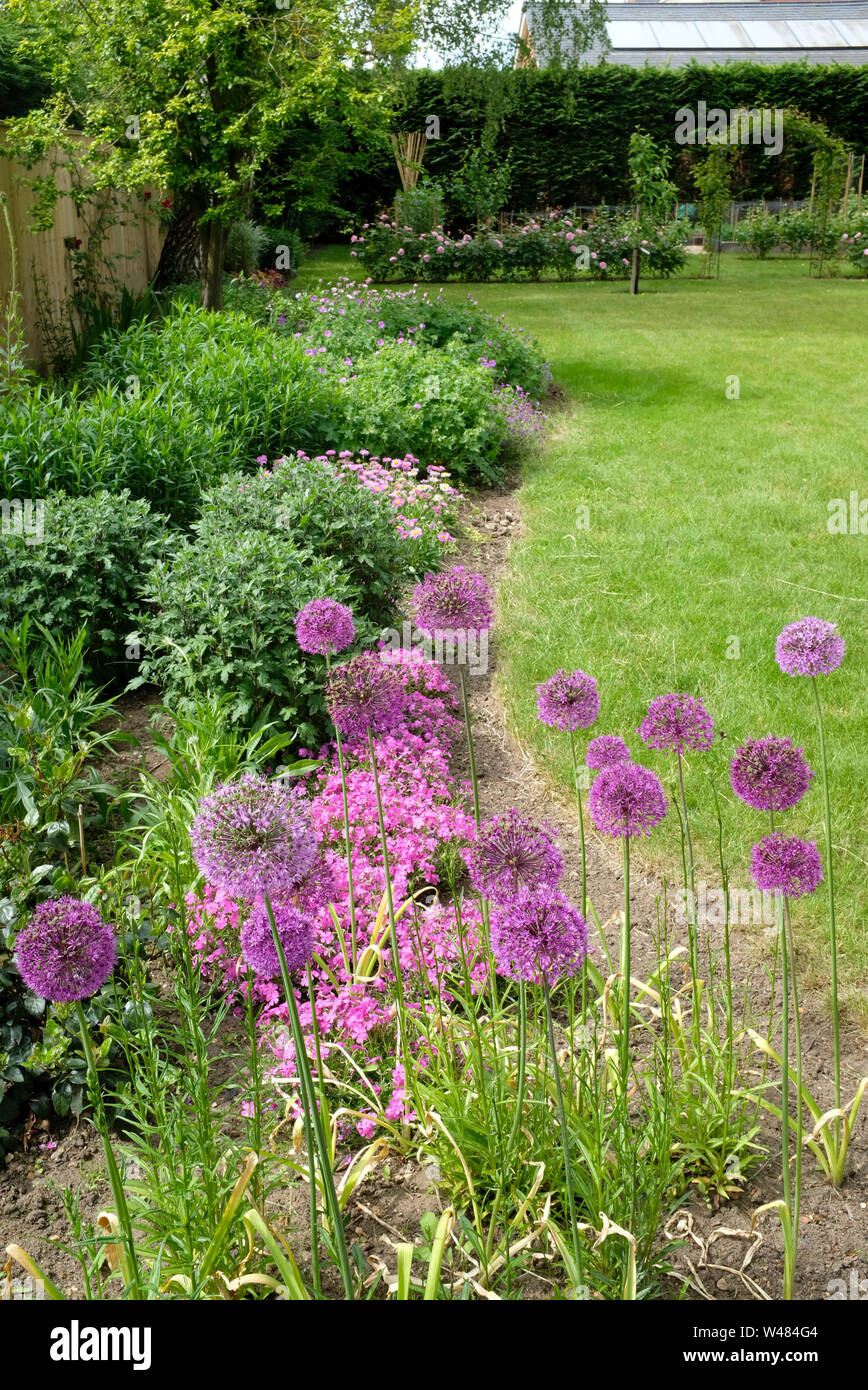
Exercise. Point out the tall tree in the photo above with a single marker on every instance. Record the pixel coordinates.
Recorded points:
(195, 95)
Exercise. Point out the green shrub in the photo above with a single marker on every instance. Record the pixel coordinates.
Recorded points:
(758, 232)
(277, 242)
(419, 401)
(309, 503)
(794, 229)
(223, 619)
(244, 247)
(86, 572)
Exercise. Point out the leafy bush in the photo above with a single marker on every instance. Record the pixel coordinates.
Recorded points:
(244, 247)
(323, 512)
(85, 572)
(521, 252)
(420, 208)
(407, 399)
(795, 226)
(223, 618)
(758, 232)
(277, 241)
(348, 319)
(855, 243)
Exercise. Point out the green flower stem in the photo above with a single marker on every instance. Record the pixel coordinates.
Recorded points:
(830, 887)
(314, 1134)
(797, 1030)
(785, 1052)
(470, 749)
(522, 1062)
(624, 1040)
(691, 915)
(120, 1199)
(565, 1138)
(581, 823)
(347, 848)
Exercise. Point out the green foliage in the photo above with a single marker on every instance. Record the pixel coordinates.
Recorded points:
(245, 245)
(757, 232)
(713, 178)
(309, 504)
(85, 572)
(411, 400)
(24, 82)
(420, 208)
(480, 187)
(223, 619)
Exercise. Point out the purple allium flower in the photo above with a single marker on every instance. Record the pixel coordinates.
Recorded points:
(607, 751)
(809, 647)
(251, 837)
(770, 774)
(454, 601)
(568, 700)
(66, 951)
(538, 936)
(677, 722)
(786, 864)
(627, 800)
(510, 853)
(324, 627)
(365, 695)
(295, 929)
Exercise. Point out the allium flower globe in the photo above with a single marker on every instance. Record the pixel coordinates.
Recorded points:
(454, 601)
(324, 627)
(606, 751)
(770, 774)
(365, 696)
(66, 952)
(785, 864)
(677, 723)
(538, 936)
(627, 800)
(511, 853)
(295, 929)
(252, 837)
(809, 647)
(568, 701)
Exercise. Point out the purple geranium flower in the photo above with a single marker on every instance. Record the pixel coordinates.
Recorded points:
(252, 837)
(66, 951)
(568, 701)
(538, 936)
(676, 723)
(324, 627)
(770, 773)
(511, 853)
(454, 601)
(606, 751)
(809, 647)
(365, 696)
(786, 864)
(627, 800)
(295, 929)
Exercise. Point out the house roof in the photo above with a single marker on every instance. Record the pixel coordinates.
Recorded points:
(674, 34)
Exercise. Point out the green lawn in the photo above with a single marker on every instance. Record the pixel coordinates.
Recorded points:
(708, 523)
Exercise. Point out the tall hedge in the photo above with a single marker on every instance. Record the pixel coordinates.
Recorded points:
(567, 132)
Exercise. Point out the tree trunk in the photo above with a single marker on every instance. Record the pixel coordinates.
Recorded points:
(213, 243)
(634, 272)
(181, 256)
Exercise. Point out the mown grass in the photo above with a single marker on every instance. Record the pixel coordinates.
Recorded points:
(707, 523)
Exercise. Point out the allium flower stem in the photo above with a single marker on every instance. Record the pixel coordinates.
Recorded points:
(797, 1031)
(785, 1050)
(624, 1040)
(347, 847)
(691, 915)
(393, 931)
(522, 1065)
(129, 1261)
(581, 822)
(830, 889)
(471, 752)
(565, 1138)
(314, 1134)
